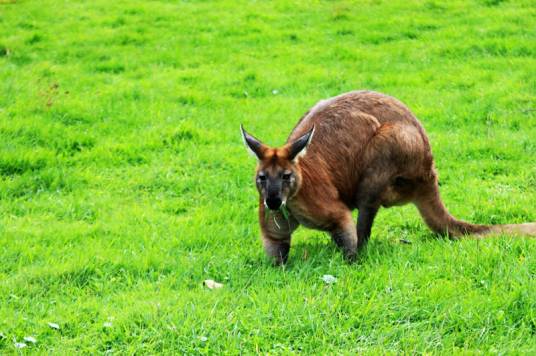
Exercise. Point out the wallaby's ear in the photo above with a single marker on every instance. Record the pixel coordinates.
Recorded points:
(254, 146)
(298, 147)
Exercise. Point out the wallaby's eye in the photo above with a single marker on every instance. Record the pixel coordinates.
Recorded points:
(262, 177)
(286, 176)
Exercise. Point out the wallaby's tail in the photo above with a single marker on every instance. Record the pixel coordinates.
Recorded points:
(440, 221)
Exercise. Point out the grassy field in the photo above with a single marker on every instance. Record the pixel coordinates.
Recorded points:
(125, 184)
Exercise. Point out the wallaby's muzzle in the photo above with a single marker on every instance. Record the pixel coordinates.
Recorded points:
(273, 203)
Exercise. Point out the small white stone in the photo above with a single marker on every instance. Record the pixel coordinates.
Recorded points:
(31, 339)
(329, 279)
(54, 326)
(212, 284)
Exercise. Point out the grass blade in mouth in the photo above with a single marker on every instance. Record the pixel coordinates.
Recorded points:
(284, 211)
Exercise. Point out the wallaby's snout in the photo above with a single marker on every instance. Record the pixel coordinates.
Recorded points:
(273, 197)
(274, 202)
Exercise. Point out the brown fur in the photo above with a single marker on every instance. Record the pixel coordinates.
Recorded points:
(368, 150)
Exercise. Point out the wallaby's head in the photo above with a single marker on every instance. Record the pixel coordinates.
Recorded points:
(278, 176)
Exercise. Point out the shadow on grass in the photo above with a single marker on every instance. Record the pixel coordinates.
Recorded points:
(314, 254)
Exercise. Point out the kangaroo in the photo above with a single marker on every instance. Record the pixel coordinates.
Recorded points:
(360, 150)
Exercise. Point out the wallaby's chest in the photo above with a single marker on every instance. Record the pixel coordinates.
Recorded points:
(306, 217)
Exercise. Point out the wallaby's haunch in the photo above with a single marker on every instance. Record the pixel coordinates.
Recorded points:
(357, 150)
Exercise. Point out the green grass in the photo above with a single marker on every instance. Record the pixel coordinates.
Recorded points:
(125, 184)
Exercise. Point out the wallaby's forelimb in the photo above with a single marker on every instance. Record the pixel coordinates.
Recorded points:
(276, 232)
(344, 235)
(277, 250)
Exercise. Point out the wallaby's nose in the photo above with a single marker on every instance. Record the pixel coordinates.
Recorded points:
(273, 203)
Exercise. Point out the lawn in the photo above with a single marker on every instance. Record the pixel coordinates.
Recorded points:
(125, 183)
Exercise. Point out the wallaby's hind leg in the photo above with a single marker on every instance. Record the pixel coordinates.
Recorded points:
(390, 158)
(371, 190)
(367, 213)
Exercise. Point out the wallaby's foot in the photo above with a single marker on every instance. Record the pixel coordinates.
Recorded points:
(277, 250)
(345, 236)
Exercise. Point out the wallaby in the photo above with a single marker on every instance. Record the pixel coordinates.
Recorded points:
(357, 150)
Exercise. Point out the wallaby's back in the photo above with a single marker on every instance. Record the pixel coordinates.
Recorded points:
(360, 128)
